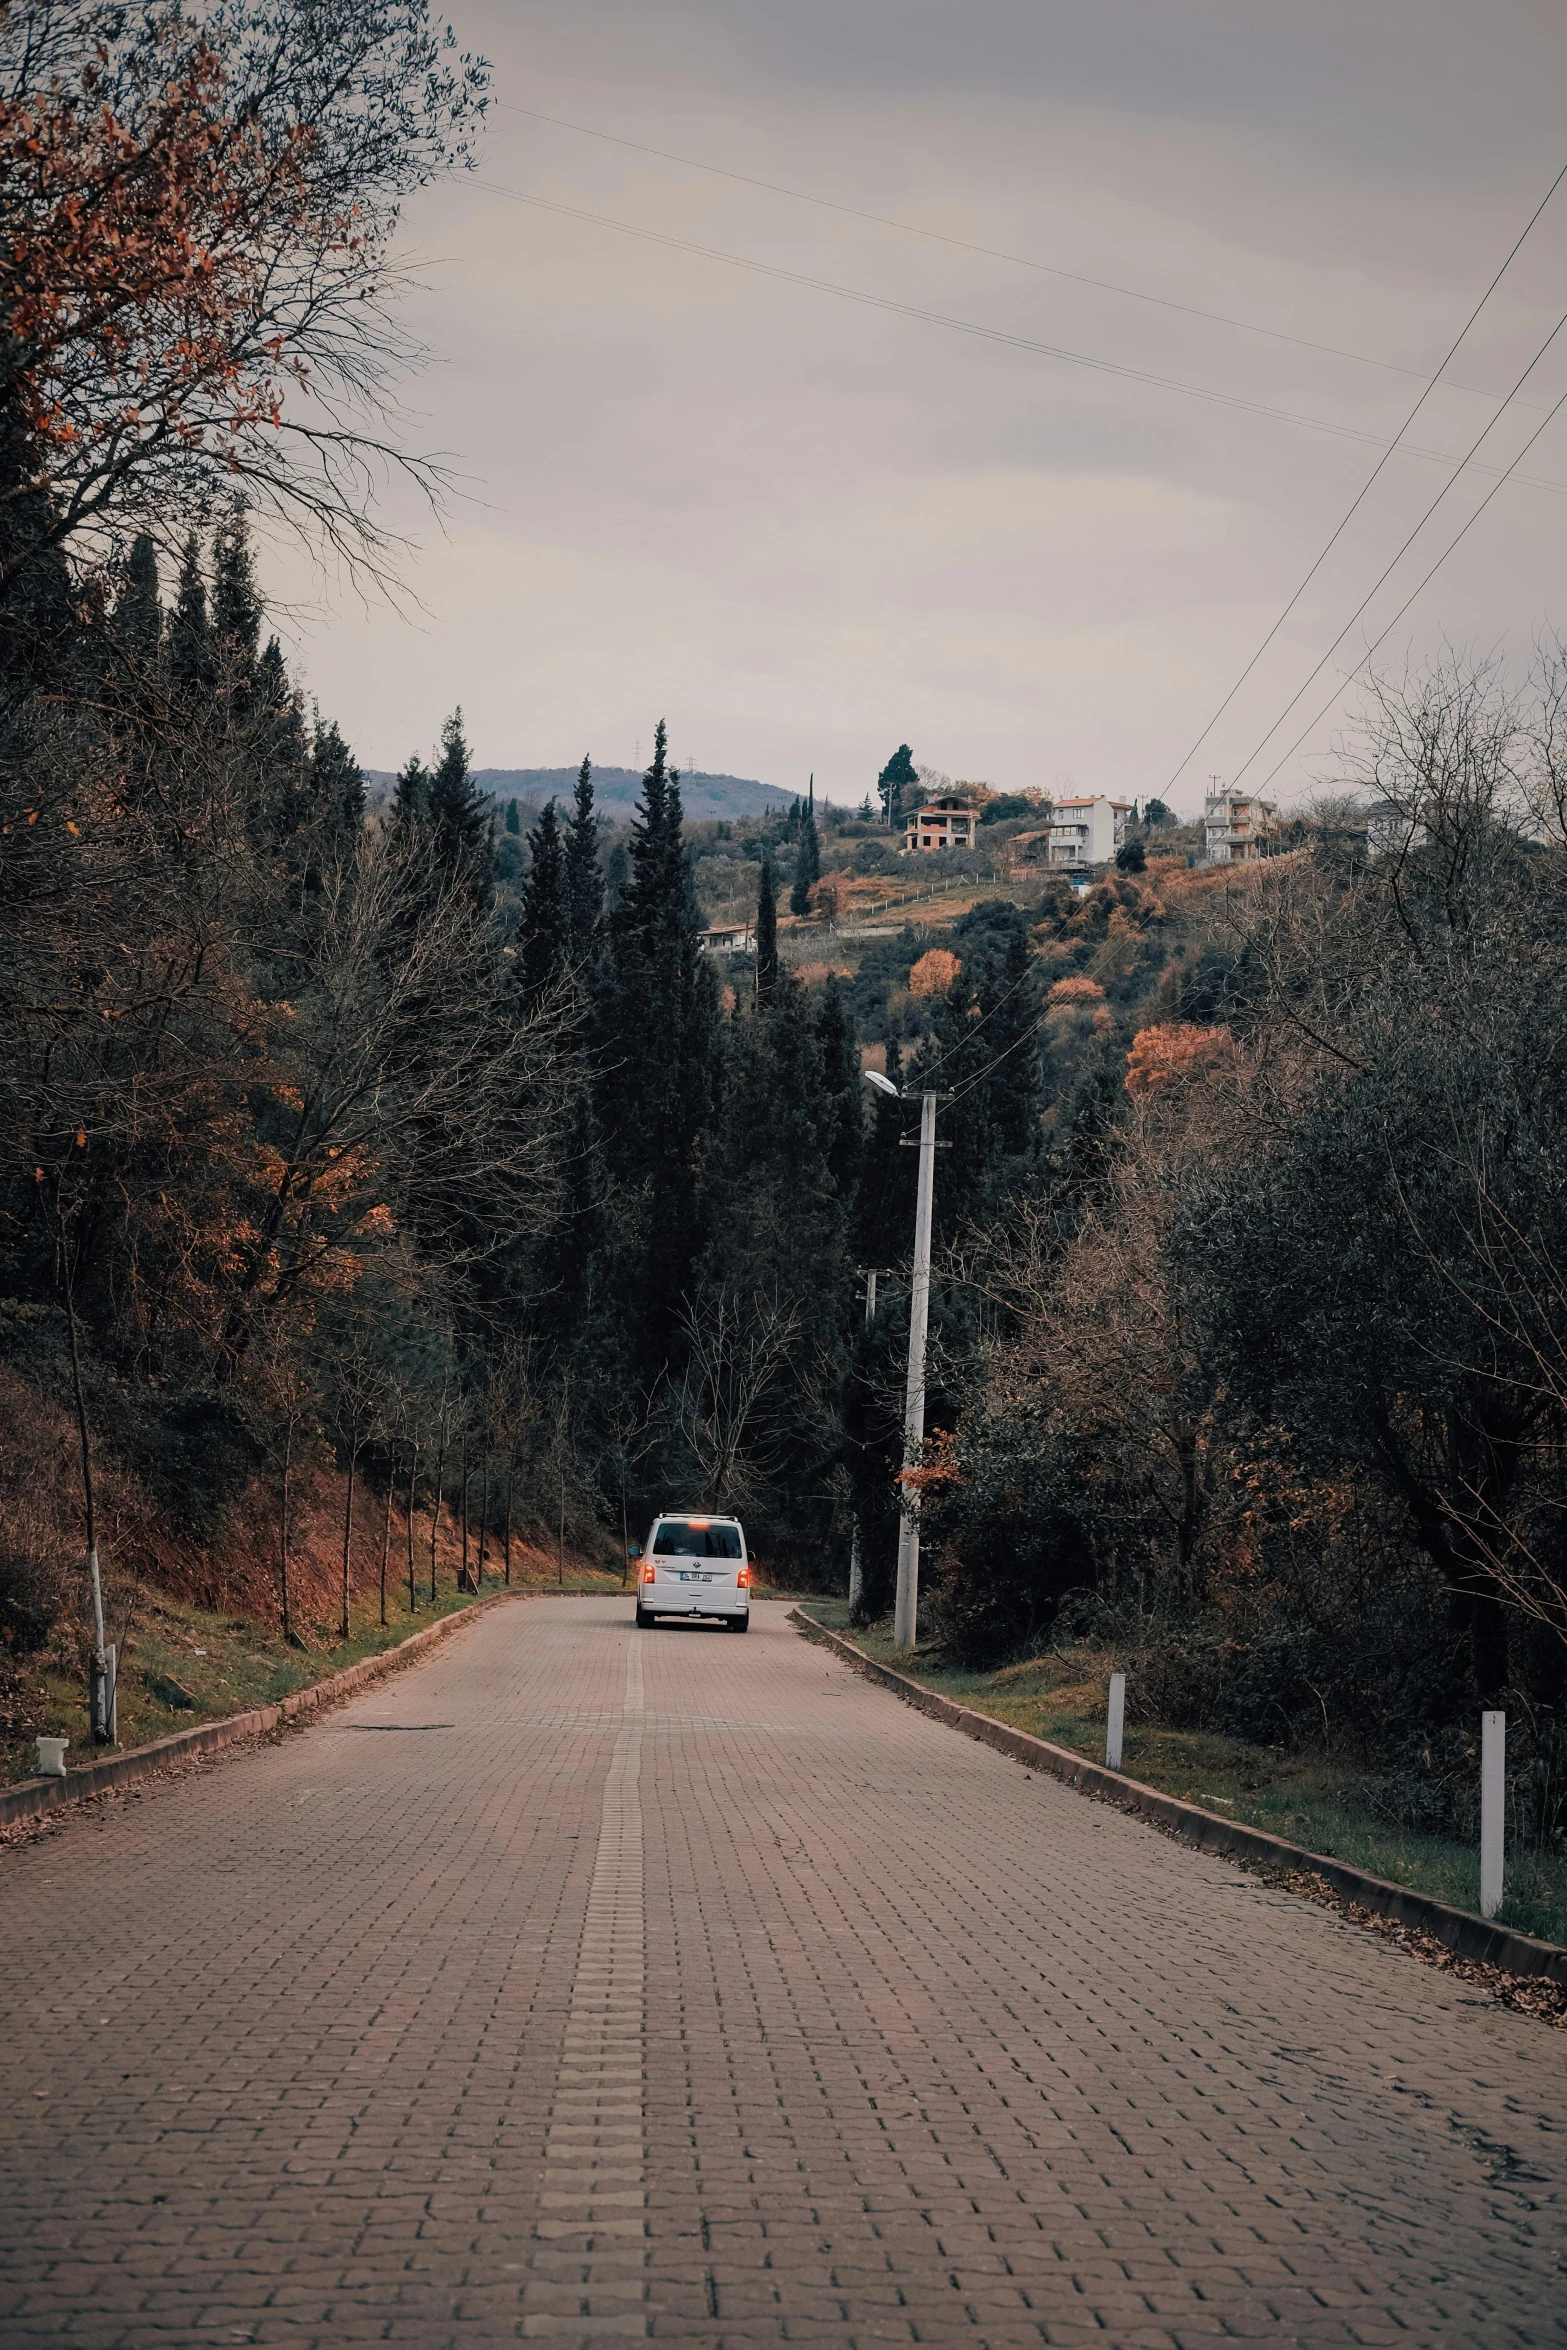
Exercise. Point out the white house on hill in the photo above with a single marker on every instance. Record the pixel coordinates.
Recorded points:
(1087, 831)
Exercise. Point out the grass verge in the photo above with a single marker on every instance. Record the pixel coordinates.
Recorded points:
(183, 1665)
(1306, 1798)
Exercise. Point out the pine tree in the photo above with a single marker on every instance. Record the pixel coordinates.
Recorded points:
(584, 882)
(459, 815)
(896, 778)
(766, 933)
(543, 923)
(337, 781)
(410, 793)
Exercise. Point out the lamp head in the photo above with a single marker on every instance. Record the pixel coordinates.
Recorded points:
(882, 1084)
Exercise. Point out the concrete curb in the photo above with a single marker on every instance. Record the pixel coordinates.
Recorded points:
(1471, 1937)
(28, 1797)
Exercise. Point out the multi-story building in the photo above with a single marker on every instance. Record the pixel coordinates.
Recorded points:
(946, 823)
(1086, 831)
(1238, 827)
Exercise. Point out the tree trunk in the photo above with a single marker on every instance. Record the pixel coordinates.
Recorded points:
(509, 1468)
(484, 1514)
(413, 1476)
(435, 1506)
(386, 1538)
(282, 1535)
(348, 1537)
(462, 1481)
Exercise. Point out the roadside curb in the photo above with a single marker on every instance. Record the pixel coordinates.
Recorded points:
(1471, 1937)
(29, 1797)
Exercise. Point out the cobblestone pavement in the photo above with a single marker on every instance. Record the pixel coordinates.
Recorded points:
(582, 1984)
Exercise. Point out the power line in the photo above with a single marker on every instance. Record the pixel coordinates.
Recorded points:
(1366, 487)
(1419, 590)
(909, 228)
(966, 326)
(1413, 535)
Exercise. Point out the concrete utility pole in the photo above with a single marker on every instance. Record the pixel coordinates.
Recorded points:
(907, 1609)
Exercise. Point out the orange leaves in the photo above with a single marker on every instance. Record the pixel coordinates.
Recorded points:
(1174, 1053)
(1077, 988)
(934, 973)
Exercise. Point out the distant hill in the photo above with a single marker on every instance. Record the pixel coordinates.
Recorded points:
(615, 789)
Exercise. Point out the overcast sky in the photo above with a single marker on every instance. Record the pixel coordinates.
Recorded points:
(806, 528)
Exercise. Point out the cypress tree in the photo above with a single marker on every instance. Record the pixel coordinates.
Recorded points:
(658, 1020)
(544, 922)
(896, 778)
(459, 815)
(842, 1092)
(236, 604)
(584, 882)
(513, 819)
(808, 863)
(190, 631)
(138, 615)
(766, 933)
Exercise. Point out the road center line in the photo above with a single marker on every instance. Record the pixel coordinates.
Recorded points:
(587, 2267)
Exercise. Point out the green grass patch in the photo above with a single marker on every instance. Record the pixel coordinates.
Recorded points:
(1304, 1797)
(183, 1665)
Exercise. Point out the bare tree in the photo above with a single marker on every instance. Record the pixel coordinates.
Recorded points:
(732, 1406)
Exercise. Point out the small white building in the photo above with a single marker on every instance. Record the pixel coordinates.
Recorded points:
(730, 938)
(946, 823)
(1086, 831)
(1238, 828)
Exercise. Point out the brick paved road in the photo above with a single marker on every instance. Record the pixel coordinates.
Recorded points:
(687, 1987)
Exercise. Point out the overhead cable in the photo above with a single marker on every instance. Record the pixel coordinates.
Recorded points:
(964, 326)
(1366, 486)
(1452, 479)
(910, 228)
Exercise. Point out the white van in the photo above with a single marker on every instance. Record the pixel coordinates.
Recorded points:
(695, 1566)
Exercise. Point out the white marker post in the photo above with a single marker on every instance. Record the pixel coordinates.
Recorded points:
(1493, 1810)
(1116, 1723)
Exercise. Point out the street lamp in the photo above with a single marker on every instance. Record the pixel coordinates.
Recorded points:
(907, 1607)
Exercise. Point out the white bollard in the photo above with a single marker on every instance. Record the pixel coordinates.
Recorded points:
(1493, 1810)
(1117, 1722)
(51, 1757)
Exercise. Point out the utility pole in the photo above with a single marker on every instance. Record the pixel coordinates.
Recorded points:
(907, 1609)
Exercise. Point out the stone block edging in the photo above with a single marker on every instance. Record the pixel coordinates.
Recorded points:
(28, 1797)
(1471, 1937)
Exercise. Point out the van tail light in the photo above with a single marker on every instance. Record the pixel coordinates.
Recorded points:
(648, 1570)
(743, 1579)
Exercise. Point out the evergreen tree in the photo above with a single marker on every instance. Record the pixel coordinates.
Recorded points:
(337, 779)
(896, 778)
(281, 777)
(138, 615)
(513, 819)
(808, 861)
(543, 922)
(659, 1030)
(236, 603)
(191, 665)
(584, 882)
(843, 1092)
(410, 793)
(766, 932)
(459, 814)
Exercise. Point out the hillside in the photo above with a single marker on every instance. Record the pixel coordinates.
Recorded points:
(616, 789)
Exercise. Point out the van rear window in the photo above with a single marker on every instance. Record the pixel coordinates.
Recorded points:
(685, 1538)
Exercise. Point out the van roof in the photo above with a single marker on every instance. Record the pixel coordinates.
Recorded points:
(708, 1517)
